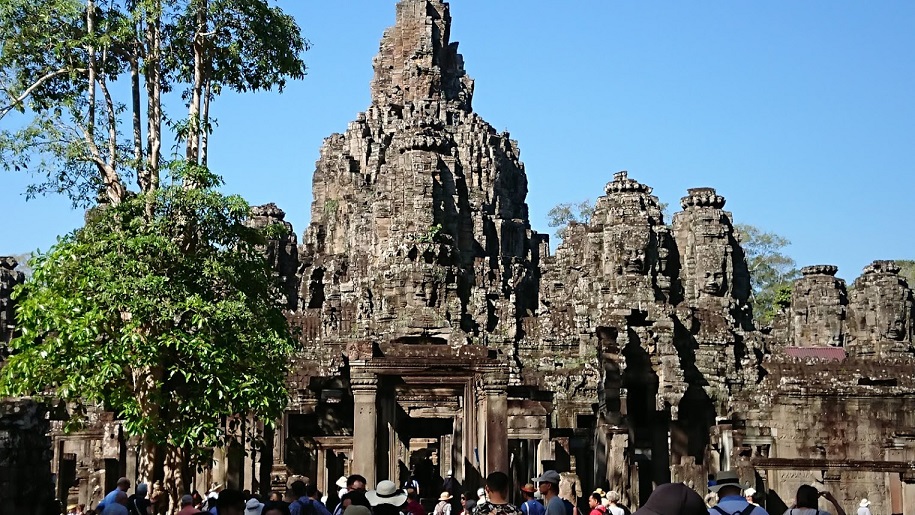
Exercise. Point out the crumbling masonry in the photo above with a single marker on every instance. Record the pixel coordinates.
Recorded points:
(438, 333)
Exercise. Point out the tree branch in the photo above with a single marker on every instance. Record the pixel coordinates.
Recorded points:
(31, 89)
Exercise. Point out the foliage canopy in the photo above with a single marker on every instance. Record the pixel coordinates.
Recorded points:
(169, 321)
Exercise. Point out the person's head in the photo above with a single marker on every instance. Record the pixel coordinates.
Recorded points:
(808, 497)
(298, 488)
(275, 497)
(121, 498)
(187, 500)
(673, 498)
(726, 483)
(412, 497)
(275, 508)
(355, 482)
(123, 484)
(142, 490)
(497, 485)
(311, 490)
(357, 509)
(594, 499)
(230, 502)
(548, 483)
(445, 497)
(470, 495)
(613, 497)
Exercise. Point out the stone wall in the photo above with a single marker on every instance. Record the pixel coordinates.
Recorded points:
(26, 485)
(9, 279)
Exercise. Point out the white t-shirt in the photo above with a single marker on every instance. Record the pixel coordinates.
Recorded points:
(615, 510)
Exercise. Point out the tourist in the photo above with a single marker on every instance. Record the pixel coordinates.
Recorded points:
(864, 507)
(274, 496)
(311, 490)
(481, 496)
(613, 507)
(730, 498)
(230, 502)
(276, 508)
(451, 485)
(530, 506)
(548, 483)
(808, 500)
(444, 504)
(414, 507)
(117, 506)
(357, 509)
(253, 507)
(595, 502)
(468, 503)
(187, 505)
(138, 504)
(123, 485)
(355, 494)
(496, 488)
(674, 499)
(301, 503)
(386, 498)
(411, 484)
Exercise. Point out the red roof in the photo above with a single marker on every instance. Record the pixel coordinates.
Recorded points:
(822, 353)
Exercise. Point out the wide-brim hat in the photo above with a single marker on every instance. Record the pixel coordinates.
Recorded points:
(673, 498)
(386, 493)
(864, 503)
(444, 497)
(341, 482)
(253, 507)
(550, 476)
(529, 488)
(725, 478)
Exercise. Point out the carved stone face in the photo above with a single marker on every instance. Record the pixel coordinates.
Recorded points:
(896, 330)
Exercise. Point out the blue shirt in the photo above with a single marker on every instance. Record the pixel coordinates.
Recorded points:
(109, 499)
(299, 506)
(732, 504)
(532, 507)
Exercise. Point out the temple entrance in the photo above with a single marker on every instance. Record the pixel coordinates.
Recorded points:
(426, 441)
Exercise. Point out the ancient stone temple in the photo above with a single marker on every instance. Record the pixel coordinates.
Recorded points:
(439, 335)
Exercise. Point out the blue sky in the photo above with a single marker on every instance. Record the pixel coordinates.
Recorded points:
(802, 114)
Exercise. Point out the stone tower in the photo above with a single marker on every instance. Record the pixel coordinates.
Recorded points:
(419, 223)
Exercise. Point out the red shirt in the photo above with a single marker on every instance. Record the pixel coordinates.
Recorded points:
(599, 510)
(415, 508)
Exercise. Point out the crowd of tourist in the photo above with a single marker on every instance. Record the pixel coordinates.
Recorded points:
(542, 497)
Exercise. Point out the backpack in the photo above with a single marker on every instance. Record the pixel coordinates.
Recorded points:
(746, 511)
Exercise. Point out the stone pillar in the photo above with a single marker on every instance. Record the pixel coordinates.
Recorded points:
(278, 471)
(365, 427)
(25, 458)
(496, 400)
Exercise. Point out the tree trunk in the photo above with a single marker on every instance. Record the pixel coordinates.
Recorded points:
(195, 124)
(154, 94)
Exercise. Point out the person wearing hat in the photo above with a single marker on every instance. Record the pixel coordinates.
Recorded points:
(864, 507)
(253, 507)
(674, 499)
(548, 483)
(443, 507)
(807, 502)
(531, 506)
(386, 498)
(730, 496)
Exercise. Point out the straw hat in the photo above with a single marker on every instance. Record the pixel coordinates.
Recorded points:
(444, 497)
(864, 503)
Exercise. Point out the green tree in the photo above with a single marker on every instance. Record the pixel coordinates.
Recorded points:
(772, 272)
(562, 215)
(174, 331)
(60, 61)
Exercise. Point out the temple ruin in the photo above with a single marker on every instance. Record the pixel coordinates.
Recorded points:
(438, 332)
